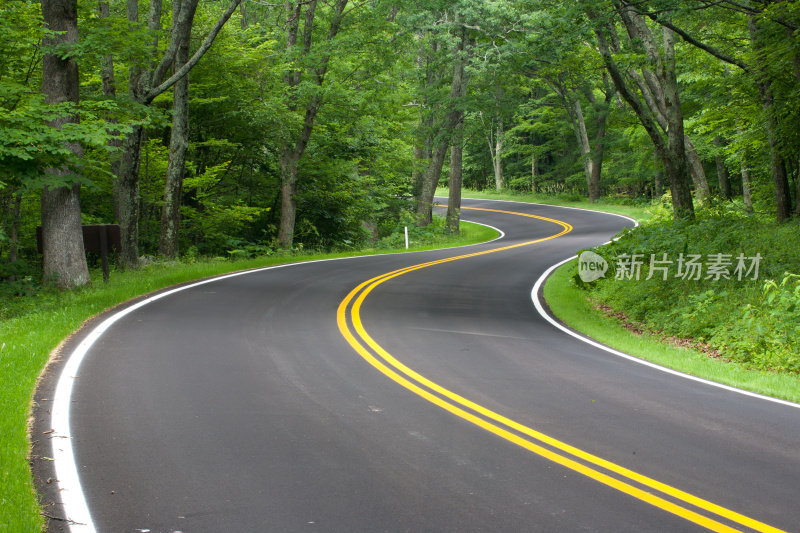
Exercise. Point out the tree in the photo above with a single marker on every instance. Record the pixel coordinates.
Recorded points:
(445, 125)
(657, 105)
(783, 202)
(774, 67)
(178, 145)
(62, 237)
(145, 84)
(297, 141)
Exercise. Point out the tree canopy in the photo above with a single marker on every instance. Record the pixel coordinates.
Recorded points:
(208, 127)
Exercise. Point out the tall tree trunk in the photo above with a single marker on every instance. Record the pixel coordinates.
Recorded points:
(676, 147)
(293, 150)
(456, 175)
(64, 260)
(658, 178)
(746, 188)
(430, 181)
(696, 169)
(126, 198)
(533, 171)
(145, 86)
(178, 145)
(495, 141)
(598, 151)
(746, 184)
(110, 90)
(777, 163)
(424, 207)
(13, 247)
(797, 199)
(421, 157)
(456, 178)
(579, 126)
(670, 150)
(724, 178)
(497, 163)
(659, 90)
(289, 173)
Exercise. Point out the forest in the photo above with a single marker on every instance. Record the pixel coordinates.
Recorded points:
(217, 128)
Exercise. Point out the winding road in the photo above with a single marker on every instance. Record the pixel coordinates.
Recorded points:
(415, 392)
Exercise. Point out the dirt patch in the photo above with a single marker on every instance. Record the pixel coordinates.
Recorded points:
(639, 329)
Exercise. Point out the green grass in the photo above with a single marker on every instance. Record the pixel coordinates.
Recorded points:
(32, 327)
(569, 303)
(609, 205)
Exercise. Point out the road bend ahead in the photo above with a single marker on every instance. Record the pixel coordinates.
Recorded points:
(431, 399)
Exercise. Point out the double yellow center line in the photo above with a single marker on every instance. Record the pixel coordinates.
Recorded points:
(655, 493)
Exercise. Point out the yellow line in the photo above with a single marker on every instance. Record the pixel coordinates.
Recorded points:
(366, 287)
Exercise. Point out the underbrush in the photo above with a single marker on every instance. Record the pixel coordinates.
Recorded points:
(728, 280)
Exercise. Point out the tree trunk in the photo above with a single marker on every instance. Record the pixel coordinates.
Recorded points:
(456, 167)
(658, 179)
(777, 163)
(430, 181)
(293, 149)
(598, 151)
(64, 259)
(107, 69)
(145, 86)
(746, 188)
(421, 158)
(724, 178)
(289, 173)
(497, 162)
(672, 150)
(533, 171)
(449, 124)
(579, 126)
(658, 183)
(783, 201)
(126, 198)
(13, 247)
(110, 91)
(178, 145)
(797, 199)
(676, 161)
(696, 168)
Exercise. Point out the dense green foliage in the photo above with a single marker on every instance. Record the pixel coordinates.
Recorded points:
(752, 321)
(570, 304)
(529, 66)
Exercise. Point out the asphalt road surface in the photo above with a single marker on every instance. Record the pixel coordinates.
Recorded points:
(434, 399)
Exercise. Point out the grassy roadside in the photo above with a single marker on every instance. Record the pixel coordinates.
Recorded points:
(30, 330)
(570, 305)
(637, 212)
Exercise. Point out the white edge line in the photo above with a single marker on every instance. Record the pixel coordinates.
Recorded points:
(541, 310)
(73, 500)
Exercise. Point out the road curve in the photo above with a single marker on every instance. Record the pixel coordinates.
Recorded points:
(254, 403)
